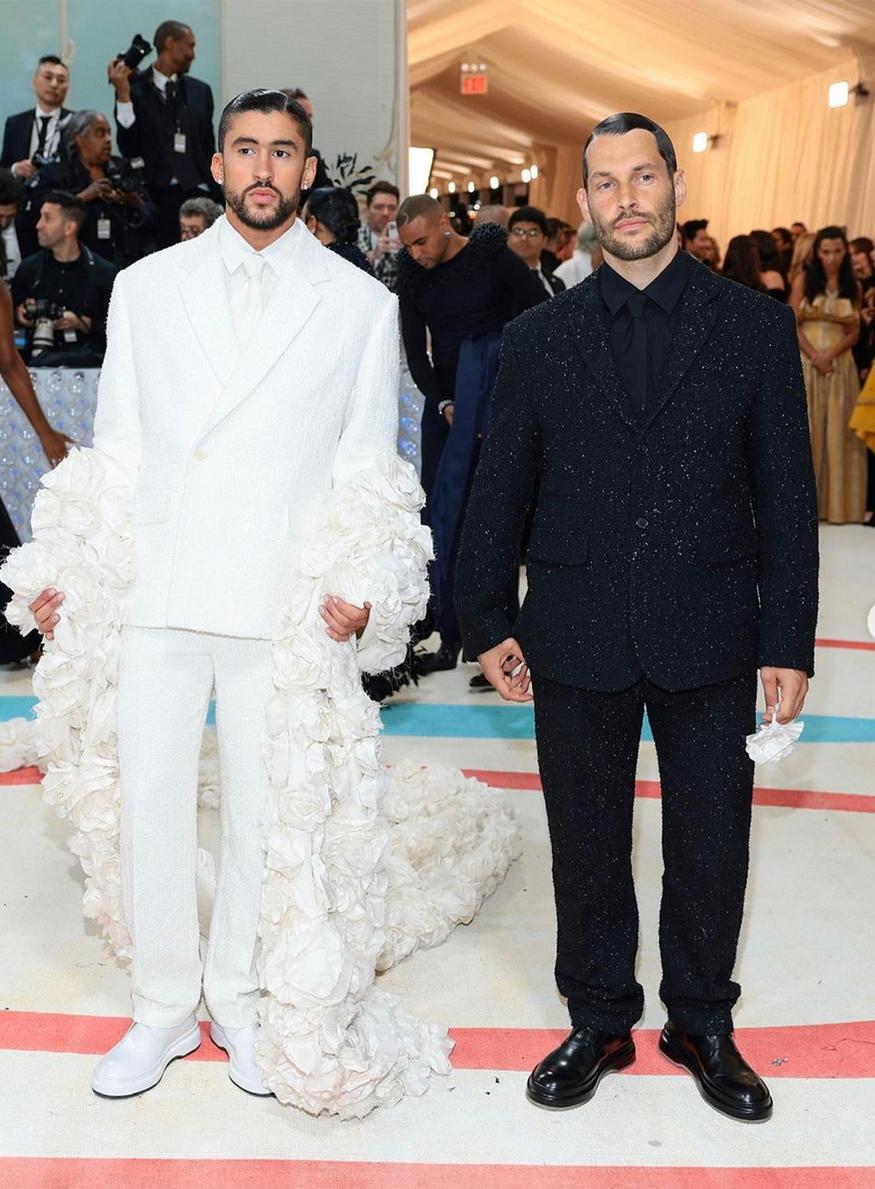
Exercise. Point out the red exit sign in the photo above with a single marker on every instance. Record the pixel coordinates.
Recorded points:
(475, 83)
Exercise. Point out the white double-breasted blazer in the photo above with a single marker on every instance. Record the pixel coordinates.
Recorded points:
(232, 453)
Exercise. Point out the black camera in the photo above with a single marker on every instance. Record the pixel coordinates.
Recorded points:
(136, 52)
(126, 175)
(42, 307)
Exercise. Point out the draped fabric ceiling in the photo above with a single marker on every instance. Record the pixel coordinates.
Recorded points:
(754, 73)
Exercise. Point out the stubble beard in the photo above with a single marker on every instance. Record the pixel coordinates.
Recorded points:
(664, 224)
(269, 220)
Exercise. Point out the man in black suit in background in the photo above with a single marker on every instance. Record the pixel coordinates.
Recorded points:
(654, 419)
(166, 117)
(37, 131)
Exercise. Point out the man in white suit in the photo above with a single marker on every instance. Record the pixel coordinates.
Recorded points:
(248, 373)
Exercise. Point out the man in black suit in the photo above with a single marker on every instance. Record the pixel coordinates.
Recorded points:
(653, 418)
(37, 131)
(527, 234)
(166, 117)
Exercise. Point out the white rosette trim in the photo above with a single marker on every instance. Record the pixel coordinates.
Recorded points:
(82, 544)
(362, 866)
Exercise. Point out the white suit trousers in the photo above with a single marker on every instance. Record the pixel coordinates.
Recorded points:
(165, 683)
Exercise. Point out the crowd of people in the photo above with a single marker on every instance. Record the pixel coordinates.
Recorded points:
(72, 214)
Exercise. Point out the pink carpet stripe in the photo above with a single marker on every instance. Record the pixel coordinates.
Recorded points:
(788, 798)
(69, 1173)
(861, 645)
(845, 1050)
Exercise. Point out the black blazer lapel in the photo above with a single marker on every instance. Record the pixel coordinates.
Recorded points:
(696, 319)
(590, 334)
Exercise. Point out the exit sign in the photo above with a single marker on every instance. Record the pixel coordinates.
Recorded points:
(474, 79)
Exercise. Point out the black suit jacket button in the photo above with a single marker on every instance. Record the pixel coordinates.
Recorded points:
(641, 522)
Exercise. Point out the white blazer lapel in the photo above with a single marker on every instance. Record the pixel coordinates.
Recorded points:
(291, 305)
(205, 297)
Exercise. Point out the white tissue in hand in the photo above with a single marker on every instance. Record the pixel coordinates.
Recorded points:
(773, 742)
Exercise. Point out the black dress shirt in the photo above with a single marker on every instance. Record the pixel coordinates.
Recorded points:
(640, 356)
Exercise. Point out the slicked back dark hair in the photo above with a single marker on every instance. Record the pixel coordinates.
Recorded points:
(11, 188)
(72, 206)
(627, 121)
(51, 60)
(265, 100)
(174, 29)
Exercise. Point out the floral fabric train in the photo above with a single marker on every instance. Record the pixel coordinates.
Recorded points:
(362, 865)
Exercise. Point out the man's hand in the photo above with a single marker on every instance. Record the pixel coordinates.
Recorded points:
(343, 620)
(449, 413)
(100, 188)
(506, 670)
(45, 609)
(24, 169)
(791, 686)
(22, 311)
(55, 445)
(68, 321)
(120, 77)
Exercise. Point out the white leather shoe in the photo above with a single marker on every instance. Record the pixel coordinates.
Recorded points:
(138, 1061)
(239, 1044)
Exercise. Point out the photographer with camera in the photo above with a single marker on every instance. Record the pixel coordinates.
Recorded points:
(119, 224)
(32, 138)
(166, 117)
(11, 194)
(61, 293)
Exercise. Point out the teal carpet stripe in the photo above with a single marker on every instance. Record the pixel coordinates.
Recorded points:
(509, 722)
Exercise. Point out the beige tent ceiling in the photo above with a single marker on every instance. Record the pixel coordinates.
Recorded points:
(556, 67)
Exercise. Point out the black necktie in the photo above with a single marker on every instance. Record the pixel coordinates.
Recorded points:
(170, 92)
(638, 350)
(44, 128)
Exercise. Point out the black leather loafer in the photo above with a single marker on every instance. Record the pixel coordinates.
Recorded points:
(570, 1075)
(724, 1078)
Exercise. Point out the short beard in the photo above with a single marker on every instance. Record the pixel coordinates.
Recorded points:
(270, 220)
(664, 223)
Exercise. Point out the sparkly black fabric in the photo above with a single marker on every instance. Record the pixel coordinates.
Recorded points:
(587, 750)
(671, 554)
(682, 545)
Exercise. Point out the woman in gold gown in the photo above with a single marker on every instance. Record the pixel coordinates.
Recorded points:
(826, 300)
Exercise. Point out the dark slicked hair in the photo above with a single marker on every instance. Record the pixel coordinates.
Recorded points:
(11, 188)
(627, 121)
(72, 207)
(266, 100)
(529, 214)
(52, 60)
(418, 204)
(168, 29)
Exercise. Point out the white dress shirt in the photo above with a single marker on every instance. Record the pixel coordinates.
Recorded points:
(54, 128)
(247, 297)
(575, 270)
(13, 251)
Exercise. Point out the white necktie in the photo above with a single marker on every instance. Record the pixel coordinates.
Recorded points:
(253, 306)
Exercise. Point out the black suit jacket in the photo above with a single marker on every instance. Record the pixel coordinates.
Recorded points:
(146, 137)
(682, 547)
(16, 136)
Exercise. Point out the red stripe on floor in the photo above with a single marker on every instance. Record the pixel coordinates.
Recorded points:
(845, 1050)
(861, 645)
(787, 798)
(69, 1173)
(21, 776)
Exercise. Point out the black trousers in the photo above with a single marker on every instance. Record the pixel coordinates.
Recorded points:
(587, 752)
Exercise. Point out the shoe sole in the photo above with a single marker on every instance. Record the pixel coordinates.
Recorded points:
(686, 1061)
(617, 1061)
(215, 1034)
(182, 1048)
